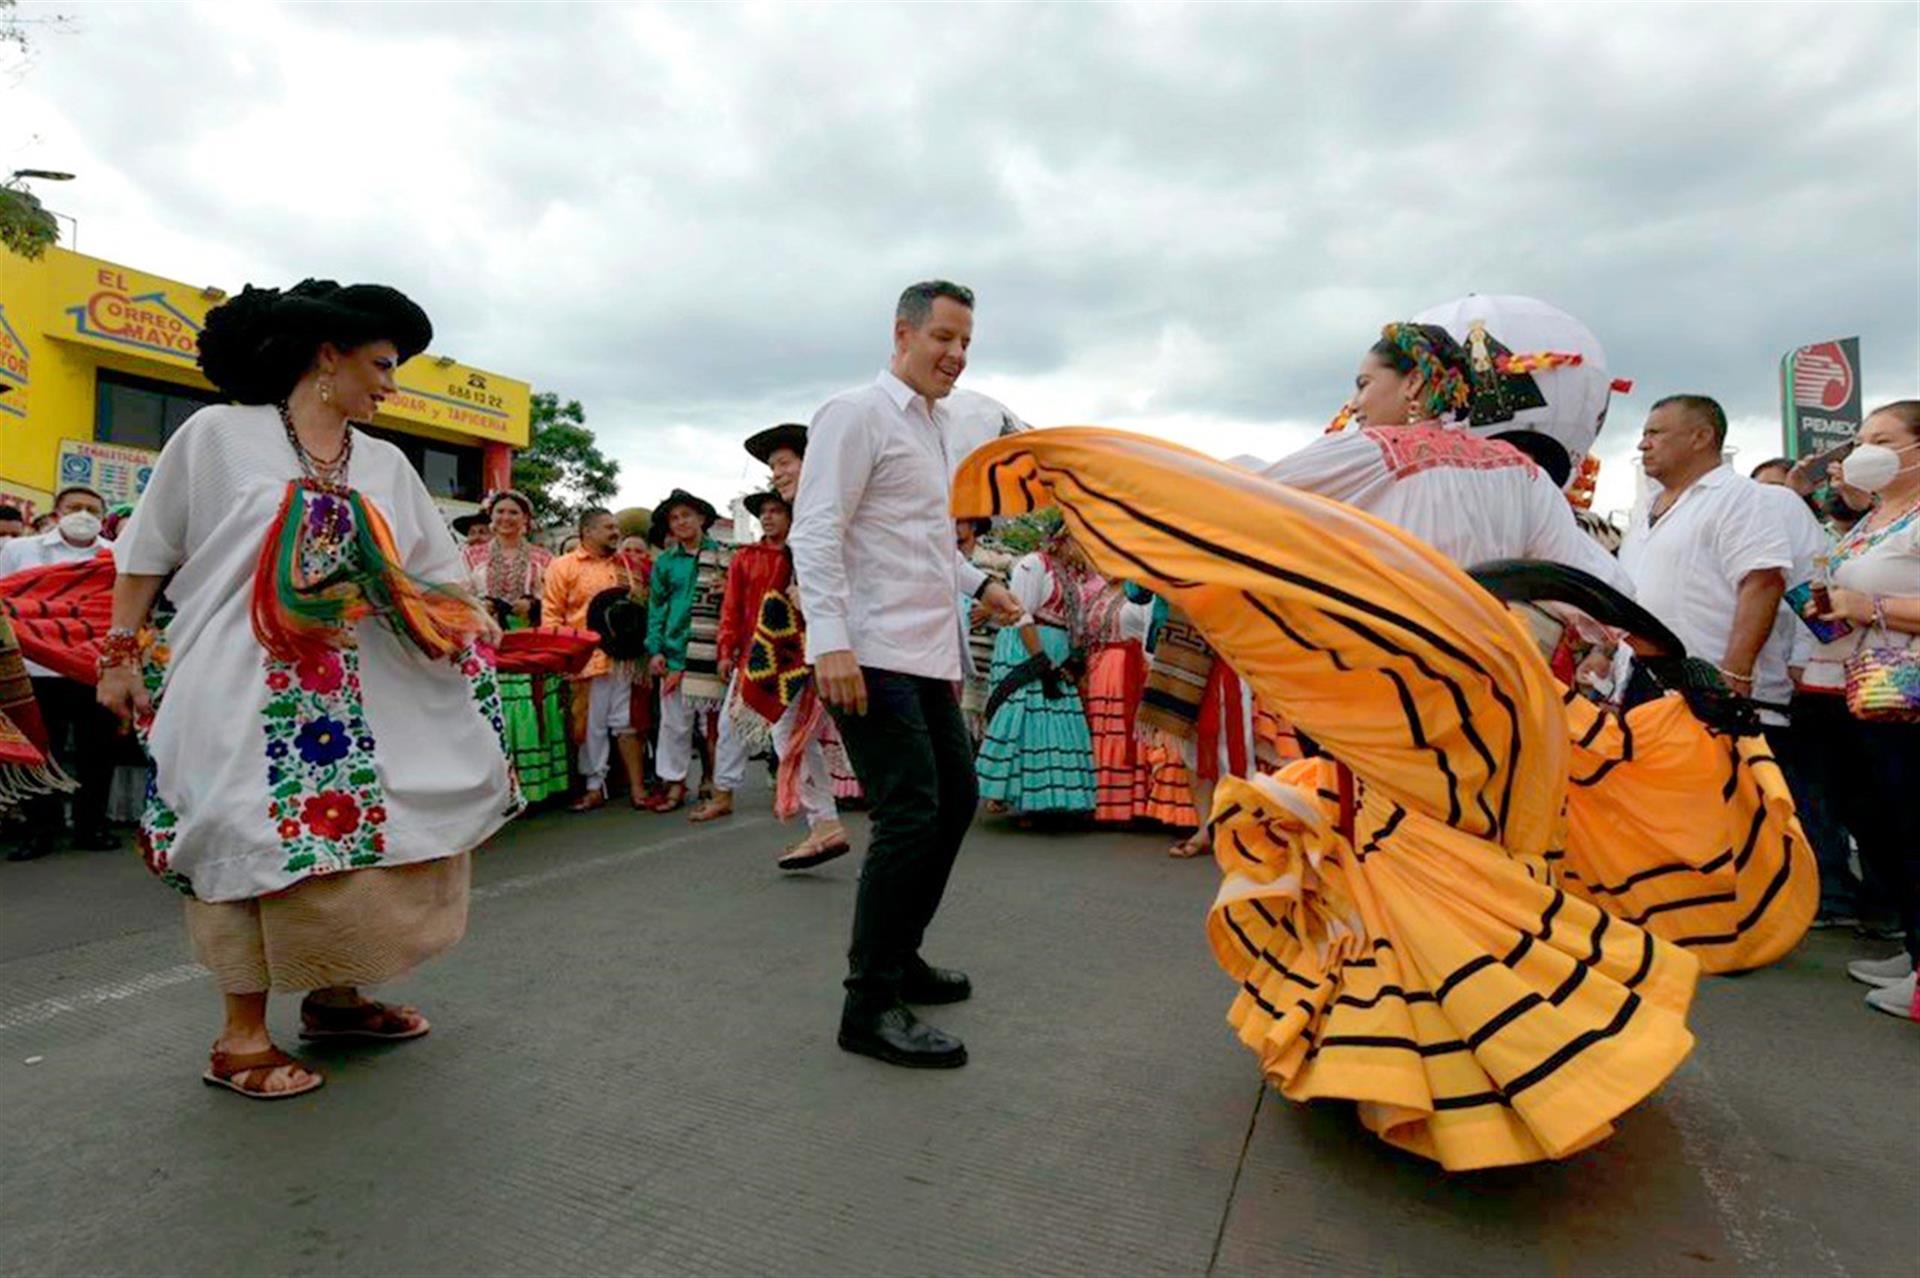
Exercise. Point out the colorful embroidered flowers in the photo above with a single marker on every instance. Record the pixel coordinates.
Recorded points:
(326, 803)
(323, 740)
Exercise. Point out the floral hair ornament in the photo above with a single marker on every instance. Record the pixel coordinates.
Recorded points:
(509, 494)
(1447, 391)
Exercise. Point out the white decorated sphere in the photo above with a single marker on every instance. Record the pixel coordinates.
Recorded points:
(1565, 404)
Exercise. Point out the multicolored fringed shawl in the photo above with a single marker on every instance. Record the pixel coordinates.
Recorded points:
(775, 672)
(328, 561)
(702, 686)
(27, 766)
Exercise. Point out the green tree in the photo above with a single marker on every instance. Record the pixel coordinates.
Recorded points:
(562, 470)
(1024, 533)
(25, 227)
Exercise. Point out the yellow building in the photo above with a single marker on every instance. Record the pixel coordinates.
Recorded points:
(97, 370)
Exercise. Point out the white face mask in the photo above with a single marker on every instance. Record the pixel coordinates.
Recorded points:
(1871, 467)
(80, 526)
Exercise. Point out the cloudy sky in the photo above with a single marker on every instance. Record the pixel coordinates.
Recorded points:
(1180, 219)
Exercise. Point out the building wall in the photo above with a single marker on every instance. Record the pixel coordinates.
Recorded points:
(66, 316)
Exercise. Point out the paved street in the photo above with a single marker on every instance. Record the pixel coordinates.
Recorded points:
(633, 1071)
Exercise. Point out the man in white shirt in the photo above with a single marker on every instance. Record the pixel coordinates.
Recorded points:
(1708, 557)
(68, 707)
(880, 584)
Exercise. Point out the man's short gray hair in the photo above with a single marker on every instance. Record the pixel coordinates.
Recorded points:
(916, 302)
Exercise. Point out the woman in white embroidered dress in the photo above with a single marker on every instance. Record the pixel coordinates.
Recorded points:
(326, 748)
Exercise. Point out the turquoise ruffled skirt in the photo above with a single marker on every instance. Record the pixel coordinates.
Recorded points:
(1037, 755)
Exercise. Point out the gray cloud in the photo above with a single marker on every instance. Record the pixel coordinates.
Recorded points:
(694, 219)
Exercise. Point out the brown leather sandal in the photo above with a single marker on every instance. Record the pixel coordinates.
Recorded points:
(370, 1020)
(1194, 845)
(246, 1073)
(672, 799)
(713, 809)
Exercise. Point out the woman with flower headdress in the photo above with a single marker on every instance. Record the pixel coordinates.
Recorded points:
(1425, 919)
(1037, 755)
(327, 748)
(508, 572)
(1407, 459)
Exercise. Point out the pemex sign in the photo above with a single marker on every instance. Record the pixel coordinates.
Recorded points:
(1820, 396)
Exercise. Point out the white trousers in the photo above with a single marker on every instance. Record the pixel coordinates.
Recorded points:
(729, 748)
(673, 753)
(609, 715)
(816, 784)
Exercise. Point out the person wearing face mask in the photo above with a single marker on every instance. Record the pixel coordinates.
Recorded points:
(1874, 588)
(81, 733)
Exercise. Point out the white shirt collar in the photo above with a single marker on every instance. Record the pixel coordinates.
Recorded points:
(904, 395)
(898, 391)
(1714, 478)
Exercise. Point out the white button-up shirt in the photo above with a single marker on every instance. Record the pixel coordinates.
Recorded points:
(1687, 568)
(38, 551)
(872, 540)
(1791, 637)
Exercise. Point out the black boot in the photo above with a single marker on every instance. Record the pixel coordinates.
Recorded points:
(898, 1037)
(925, 986)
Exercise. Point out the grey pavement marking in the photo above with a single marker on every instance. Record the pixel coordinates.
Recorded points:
(47, 1009)
(1770, 1237)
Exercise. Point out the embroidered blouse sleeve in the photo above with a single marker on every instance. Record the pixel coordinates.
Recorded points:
(1556, 536)
(153, 542)
(1345, 466)
(427, 547)
(1031, 584)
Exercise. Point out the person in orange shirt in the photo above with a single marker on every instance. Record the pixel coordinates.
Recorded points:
(573, 582)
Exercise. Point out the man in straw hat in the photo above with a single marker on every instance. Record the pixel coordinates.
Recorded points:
(768, 687)
(683, 631)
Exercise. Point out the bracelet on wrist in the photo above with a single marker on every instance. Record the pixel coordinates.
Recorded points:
(120, 647)
(1733, 677)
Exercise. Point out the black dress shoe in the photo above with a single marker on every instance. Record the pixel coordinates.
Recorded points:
(898, 1037)
(929, 985)
(96, 841)
(32, 850)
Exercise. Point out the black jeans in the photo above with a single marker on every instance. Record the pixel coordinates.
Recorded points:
(1875, 776)
(914, 758)
(1806, 753)
(81, 732)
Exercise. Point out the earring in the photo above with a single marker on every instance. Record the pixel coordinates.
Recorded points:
(1413, 412)
(326, 390)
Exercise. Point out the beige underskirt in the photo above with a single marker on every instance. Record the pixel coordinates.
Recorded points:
(359, 927)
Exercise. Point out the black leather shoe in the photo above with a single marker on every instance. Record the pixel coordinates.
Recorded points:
(929, 985)
(898, 1037)
(32, 848)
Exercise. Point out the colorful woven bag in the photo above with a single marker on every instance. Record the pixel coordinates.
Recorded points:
(1883, 682)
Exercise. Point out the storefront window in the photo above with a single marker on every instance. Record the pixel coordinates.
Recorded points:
(140, 412)
(448, 470)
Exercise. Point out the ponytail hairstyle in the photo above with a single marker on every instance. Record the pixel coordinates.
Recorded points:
(1430, 351)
